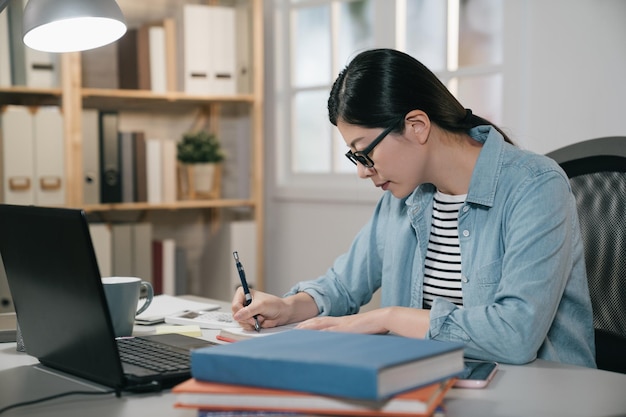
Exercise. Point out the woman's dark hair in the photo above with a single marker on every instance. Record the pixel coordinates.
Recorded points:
(380, 86)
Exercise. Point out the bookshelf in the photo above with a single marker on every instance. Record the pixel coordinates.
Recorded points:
(73, 97)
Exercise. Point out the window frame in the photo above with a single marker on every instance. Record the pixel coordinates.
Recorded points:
(337, 186)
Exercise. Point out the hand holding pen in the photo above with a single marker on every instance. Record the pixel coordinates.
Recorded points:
(246, 290)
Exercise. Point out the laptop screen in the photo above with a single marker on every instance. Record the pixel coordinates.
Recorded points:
(54, 279)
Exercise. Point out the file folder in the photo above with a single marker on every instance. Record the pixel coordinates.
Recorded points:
(49, 156)
(110, 178)
(16, 125)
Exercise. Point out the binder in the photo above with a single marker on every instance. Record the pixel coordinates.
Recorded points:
(142, 250)
(127, 157)
(91, 157)
(223, 51)
(122, 249)
(243, 240)
(16, 125)
(154, 173)
(30, 67)
(169, 266)
(42, 68)
(101, 238)
(6, 301)
(49, 178)
(15, 9)
(5, 50)
(243, 46)
(110, 176)
(169, 171)
(196, 26)
(141, 174)
(181, 276)
(209, 67)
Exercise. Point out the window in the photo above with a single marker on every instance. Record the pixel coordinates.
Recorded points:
(460, 40)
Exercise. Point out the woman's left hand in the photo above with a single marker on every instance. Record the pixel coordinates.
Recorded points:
(403, 321)
(357, 323)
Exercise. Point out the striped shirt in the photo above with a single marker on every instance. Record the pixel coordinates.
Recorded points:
(442, 276)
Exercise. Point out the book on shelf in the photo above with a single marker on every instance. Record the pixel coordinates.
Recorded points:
(128, 60)
(164, 266)
(207, 396)
(360, 366)
(99, 66)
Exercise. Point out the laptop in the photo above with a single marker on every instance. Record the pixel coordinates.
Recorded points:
(63, 315)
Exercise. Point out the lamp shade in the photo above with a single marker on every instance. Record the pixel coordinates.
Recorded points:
(72, 25)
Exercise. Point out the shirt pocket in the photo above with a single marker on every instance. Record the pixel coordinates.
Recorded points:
(488, 275)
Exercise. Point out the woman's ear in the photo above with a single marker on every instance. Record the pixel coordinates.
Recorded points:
(418, 124)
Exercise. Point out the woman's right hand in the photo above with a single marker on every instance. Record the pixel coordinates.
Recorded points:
(271, 311)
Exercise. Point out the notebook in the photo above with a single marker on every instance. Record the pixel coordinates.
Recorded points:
(57, 291)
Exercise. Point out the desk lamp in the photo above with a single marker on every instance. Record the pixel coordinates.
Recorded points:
(71, 25)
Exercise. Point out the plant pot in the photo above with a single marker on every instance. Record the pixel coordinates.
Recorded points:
(199, 181)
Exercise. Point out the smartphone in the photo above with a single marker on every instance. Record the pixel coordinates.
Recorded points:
(476, 374)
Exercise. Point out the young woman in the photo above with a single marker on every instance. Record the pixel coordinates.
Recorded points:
(474, 240)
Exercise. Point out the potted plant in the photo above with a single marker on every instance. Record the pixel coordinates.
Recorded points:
(200, 155)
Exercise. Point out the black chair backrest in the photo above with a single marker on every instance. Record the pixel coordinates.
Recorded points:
(597, 172)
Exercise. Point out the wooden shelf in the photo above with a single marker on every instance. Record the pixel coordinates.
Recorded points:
(143, 99)
(175, 205)
(73, 98)
(25, 96)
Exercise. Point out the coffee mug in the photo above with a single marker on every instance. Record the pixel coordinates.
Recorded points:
(122, 295)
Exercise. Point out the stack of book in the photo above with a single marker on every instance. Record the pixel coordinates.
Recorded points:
(314, 372)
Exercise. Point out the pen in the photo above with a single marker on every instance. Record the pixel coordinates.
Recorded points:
(246, 290)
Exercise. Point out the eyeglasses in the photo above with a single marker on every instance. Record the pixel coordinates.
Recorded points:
(361, 156)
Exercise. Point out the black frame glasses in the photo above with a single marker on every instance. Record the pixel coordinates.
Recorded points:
(361, 156)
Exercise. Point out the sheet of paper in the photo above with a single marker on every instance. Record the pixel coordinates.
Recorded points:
(240, 331)
(165, 305)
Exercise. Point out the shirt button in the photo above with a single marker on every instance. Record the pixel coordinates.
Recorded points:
(466, 233)
(464, 279)
(465, 208)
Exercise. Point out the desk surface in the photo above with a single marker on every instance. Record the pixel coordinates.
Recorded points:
(538, 389)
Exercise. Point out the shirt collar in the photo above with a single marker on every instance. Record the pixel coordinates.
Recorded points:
(482, 188)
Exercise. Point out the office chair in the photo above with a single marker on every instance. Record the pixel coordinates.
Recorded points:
(597, 172)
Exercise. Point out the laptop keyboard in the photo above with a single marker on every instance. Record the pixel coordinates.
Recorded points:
(152, 355)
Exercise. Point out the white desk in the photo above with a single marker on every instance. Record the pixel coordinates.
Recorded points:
(541, 388)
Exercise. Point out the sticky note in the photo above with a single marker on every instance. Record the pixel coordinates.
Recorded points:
(193, 331)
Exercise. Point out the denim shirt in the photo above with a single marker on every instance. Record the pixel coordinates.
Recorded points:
(524, 282)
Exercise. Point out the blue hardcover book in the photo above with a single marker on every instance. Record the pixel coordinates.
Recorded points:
(360, 366)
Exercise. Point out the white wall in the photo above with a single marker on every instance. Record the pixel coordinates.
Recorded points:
(565, 71)
(565, 64)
